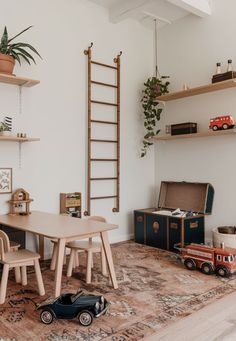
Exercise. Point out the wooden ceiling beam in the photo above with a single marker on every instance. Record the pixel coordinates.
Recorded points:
(126, 8)
(201, 8)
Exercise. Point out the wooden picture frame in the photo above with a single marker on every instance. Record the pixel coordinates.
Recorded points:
(5, 180)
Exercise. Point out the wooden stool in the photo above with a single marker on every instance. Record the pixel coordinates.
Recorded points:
(17, 259)
(90, 248)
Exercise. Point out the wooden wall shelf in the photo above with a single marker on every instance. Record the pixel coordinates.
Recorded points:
(26, 82)
(198, 90)
(18, 139)
(209, 133)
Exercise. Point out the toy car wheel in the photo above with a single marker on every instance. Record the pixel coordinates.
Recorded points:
(46, 316)
(85, 318)
(225, 126)
(190, 264)
(214, 128)
(222, 271)
(207, 268)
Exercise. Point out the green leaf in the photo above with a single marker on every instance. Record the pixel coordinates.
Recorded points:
(4, 41)
(26, 45)
(24, 52)
(24, 57)
(26, 29)
(16, 56)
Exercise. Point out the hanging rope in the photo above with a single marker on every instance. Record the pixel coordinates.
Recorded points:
(157, 73)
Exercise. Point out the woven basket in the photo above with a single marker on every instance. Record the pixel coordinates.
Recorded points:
(226, 235)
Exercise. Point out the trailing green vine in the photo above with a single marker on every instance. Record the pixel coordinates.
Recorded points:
(153, 87)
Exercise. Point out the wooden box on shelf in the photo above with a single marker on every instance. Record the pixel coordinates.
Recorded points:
(223, 76)
(164, 231)
(70, 204)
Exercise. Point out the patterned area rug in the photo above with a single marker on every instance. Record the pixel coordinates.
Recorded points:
(154, 290)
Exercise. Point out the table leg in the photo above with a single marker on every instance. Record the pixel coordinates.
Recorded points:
(41, 247)
(108, 254)
(59, 266)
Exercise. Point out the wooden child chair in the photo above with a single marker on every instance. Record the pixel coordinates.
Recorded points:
(17, 259)
(90, 247)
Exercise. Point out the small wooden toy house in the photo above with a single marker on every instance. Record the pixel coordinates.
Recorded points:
(20, 202)
(159, 228)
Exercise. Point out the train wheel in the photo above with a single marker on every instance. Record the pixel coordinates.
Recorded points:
(214, 128)
(222, 271)
(190, 264)
(225, 126)
(207, 269)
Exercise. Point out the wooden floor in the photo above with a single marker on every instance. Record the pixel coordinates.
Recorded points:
(216, 322)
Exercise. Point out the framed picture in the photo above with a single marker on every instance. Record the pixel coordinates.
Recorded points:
(5, 180)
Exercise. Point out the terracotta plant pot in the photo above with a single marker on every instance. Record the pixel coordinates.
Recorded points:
(7, 64)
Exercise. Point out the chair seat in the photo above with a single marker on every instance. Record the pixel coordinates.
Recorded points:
(20, 256)
(85, 245)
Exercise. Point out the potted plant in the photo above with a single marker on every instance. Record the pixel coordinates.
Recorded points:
(11, 52)
(4, 129)
(154, 87)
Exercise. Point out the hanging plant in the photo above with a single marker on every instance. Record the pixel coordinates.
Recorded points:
(154, 87)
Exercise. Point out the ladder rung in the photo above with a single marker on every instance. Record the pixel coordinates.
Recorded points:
(106, 141)
(103, 122)
(104, 84)
(104, 103)
(97, 179)
(104, 160)
(105, 65)
(106, 197)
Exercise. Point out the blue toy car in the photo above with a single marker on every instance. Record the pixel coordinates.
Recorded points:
(69, 306)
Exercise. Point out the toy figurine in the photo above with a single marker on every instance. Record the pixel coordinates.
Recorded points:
(209, 259)
(69, 306)
(222, 122)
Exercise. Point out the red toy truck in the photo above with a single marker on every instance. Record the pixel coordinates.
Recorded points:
(222, 122)
(222, 260)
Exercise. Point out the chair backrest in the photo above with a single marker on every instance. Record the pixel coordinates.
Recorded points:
(98, 218)
(4, 244)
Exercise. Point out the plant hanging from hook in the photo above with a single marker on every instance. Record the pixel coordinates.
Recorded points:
(154, 86)
(152, 113)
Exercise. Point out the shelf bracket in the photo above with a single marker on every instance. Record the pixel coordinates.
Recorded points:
(20, 153)
(20, 99)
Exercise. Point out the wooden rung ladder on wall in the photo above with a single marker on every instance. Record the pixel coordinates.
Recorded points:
(92, 122)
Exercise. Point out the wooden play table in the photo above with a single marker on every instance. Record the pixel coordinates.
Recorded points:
(65, 229)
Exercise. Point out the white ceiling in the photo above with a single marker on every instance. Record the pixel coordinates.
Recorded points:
(165, 11)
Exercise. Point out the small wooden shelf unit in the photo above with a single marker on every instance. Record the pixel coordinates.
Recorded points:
(20, 81)
(70, 204)
(198, 90)
(209, 133)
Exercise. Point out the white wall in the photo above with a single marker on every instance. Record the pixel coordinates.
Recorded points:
(188, 52)
(56, 112)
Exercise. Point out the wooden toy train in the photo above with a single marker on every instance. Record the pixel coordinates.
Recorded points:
(209, 260)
